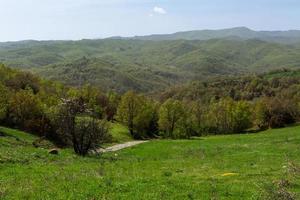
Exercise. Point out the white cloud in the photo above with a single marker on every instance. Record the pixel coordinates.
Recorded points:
(159, 10)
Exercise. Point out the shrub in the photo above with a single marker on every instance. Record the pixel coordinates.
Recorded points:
(78, 126)
(24, 106)
(24, 80)
(275, 112)
(89, 133)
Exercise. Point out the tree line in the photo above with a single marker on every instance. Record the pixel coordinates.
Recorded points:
(81, 116)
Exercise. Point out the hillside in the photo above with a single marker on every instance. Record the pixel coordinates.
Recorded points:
(237, 33)
(146, 65)
(260, 166)
(284, 83)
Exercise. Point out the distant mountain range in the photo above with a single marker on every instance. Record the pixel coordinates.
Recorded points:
(155, 62)
(238, 33)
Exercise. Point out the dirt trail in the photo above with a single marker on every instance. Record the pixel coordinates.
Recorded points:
(120, 146)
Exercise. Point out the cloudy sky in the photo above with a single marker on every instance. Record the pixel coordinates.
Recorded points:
(77, 19)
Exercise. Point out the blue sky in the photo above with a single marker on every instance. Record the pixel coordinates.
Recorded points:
(77, 19)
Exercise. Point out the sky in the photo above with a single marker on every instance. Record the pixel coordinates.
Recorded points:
(90, 19)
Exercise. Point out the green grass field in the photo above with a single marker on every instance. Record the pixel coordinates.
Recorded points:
(218, 167)
(120, 133)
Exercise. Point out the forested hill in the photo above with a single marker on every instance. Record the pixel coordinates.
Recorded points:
(281, 83)
(238, 33)
(145, 66)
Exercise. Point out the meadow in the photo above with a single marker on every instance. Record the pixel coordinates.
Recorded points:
(246, 166)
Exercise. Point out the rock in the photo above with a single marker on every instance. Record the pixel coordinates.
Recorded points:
(53, 151)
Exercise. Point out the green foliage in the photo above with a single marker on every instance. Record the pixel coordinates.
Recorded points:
(247, 88)
(78, 126)
(228, 116)
(129, 107)
(89, 133)
(195, 109)
(24, 108)
(146, 120)
(24, 80)
(172, 119)
(138, 114)
(275, 112)
(4, 98)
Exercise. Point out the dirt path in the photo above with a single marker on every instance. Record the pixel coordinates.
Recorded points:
(120, 146)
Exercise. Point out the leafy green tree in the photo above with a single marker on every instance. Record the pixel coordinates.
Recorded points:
(112, 106)
(139, 114)
(197, 117)
(171, 113)
(228, 116)
(89, 95)
(146, 121)
(4, 98)
(129, 108)
(24, 107)
(242, 116)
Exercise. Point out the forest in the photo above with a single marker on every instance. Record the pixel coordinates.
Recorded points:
(81, 116)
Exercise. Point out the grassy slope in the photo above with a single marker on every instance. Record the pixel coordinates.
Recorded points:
(120, 133)
(184, 169)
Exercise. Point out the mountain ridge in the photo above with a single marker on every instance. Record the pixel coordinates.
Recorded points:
(282, 36)
(146, 66)
(244, 33)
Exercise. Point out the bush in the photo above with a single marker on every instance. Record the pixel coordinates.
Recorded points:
(77, 126)
(23, 107)
(275, 112)
(90, 133)
(24, 80)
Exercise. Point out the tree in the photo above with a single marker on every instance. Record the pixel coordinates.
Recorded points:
(24, 80)
(146, 121)
(79, 127)
(4, 98)
(24, 107)
(170, 114)
(139, 114)
(90, 133)
(112, 107)
(129, 108)
(228, 116)
(275, 112)
(242, 116)
(89, 95)
(197, 113)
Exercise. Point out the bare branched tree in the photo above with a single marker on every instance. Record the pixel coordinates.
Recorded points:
(80, 128)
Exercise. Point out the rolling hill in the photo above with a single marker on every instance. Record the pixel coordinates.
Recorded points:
(237, 33)
(145, 65)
